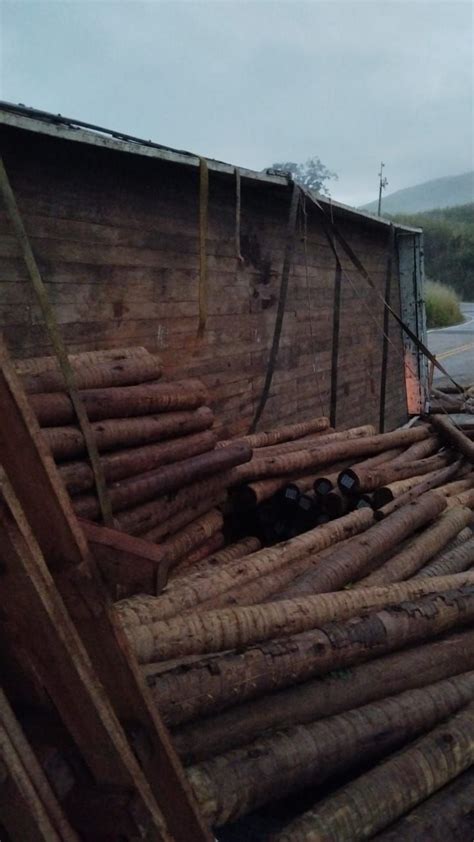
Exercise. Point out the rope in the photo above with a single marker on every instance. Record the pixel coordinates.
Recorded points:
(57, 342)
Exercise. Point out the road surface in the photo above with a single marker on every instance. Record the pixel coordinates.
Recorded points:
(454, 348)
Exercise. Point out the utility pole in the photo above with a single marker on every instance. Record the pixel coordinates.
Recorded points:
(382, 185)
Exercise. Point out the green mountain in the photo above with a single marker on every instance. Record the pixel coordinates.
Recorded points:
(448, 245)
(444, 192)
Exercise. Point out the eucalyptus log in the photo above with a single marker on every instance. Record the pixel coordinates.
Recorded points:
(317, 440)
(375, 799)
(356, 480)
(455, 561)
(363, 554)
(55, 408)
(326, 696)
(386, 493)
(447, 816)
(202, 586)
(222, 629)
(192, 536)
(235, 783)
(420, 549)
(126, 372)
(262, 466)
(287, 433)
(429, 482)
(202, 552)
(78, 477)
(323, 484)
(67, 442)
(453, 436)
(142, 518)
(465, 498)
(213, 684)
(38, 365)
(218, 557)
(169, 478)
(181, 519)
(456, 487)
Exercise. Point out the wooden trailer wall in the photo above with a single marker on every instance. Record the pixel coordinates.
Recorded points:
(116, 237)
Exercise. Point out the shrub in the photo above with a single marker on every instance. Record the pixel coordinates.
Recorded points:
(442, 305)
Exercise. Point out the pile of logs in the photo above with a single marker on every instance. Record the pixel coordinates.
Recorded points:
(165, 477)
(451, 399)
(336, 665)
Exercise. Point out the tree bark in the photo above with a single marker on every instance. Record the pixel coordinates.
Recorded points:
(233, 784)
(456, 560)
(201, 587)
(68, 442)
(429, 482)
(78, 477)
(326, 696)
(447, 816)
(222, 629)
(280, 434)
(420, 549)
(363, 554)
(140, 489)
(100, 375)
(453, 436)
(374, 800)
(213, 684)
(54, 408)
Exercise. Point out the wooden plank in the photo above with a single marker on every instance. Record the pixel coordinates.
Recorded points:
(36, 483)
(13, 739)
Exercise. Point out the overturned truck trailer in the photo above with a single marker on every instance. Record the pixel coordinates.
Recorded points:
(273, 297)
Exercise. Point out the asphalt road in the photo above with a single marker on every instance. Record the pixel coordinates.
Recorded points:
(454, 348)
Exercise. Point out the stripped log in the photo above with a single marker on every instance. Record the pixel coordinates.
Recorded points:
(420, 549)
(456, 487)
(216, 557)
(144, 517)
(181, 519)
(462, 536)
(455, 561)
(79, 477)
(68, 442)
(317, 440)
(363, 554)
(54, 408)
(200, 587)
(430, 482)
(233, 784)
(386, 493)
(261, 466)
(382, 795)
(38, 365)
(326, 696)
(212, 685)
(465, 498)
(222, 629)
(280, 434)
(192, 536)
(192, 561)
(325, 483)
(446, 816)
(356, 480)
(453, 436)
(139, 489)
(101, 375)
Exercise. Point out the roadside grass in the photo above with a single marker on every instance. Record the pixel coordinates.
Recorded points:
(442, 305)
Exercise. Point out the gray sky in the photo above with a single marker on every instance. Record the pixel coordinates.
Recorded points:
(260, 81)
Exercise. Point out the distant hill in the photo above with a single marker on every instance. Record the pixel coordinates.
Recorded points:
(440, 193)
(448, 245)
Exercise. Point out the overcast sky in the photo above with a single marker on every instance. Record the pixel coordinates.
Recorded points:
(256, 82)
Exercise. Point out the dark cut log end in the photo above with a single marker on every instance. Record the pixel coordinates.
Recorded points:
(244, 498)
(348, 481)
(381, 497)
(333, 505)
(291, 494)
(323, 486)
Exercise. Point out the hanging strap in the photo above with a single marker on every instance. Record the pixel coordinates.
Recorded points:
(285, 276)
(363, 272)
(238, 252)
(203, 224)
(386, 313)
(56, 341)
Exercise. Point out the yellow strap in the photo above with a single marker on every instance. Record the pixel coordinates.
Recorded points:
(57, 342)
(203, 219)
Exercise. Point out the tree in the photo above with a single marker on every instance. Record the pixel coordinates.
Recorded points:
(312, 175)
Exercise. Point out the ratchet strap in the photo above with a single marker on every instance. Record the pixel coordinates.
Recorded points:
(285, 276)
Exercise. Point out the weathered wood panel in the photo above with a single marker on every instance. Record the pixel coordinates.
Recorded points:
(116, 237)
